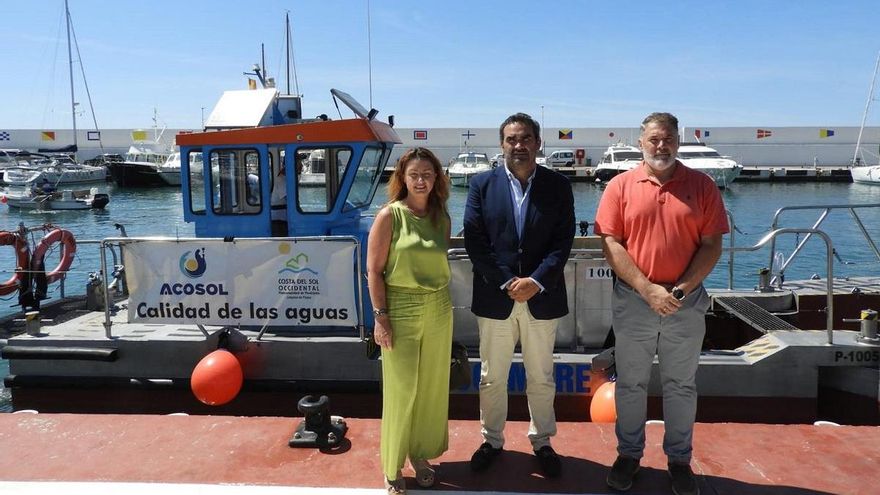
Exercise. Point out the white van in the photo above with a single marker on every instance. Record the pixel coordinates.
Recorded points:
(561, 158)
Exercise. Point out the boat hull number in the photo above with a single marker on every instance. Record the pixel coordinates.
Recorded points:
(857, 357)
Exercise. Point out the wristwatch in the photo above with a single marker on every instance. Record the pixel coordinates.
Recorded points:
(379, 311)
(678, 293)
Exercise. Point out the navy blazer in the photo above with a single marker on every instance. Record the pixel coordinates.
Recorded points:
(498, 254)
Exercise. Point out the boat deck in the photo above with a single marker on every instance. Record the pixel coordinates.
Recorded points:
(97, 454)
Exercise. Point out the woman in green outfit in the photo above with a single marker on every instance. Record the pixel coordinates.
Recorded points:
(408, 277)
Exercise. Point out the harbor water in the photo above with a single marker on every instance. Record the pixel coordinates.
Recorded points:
(158, 211)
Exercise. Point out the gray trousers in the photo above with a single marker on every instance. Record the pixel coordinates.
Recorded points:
(640, 334)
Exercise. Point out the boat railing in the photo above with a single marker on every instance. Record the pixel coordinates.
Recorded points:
(731, 240)
(824, 211)
(770, 238)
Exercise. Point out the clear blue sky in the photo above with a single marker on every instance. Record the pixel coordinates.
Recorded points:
(452, 63)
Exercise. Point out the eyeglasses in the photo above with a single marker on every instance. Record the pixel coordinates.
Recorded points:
(427, 177)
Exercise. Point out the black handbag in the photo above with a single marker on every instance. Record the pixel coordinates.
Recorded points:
(460, 367)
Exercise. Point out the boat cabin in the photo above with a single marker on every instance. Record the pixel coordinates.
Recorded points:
(260, 170)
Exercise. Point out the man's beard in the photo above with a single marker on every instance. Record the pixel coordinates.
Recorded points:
(660, 164)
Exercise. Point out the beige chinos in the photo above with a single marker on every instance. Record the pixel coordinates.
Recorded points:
(498, 339)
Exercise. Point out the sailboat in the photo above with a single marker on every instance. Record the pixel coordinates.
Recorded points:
(61, 168)
(861, 173)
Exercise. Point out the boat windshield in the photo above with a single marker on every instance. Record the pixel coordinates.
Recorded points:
(623, 156)
(698, 154)
(367, 178)
(474, 159)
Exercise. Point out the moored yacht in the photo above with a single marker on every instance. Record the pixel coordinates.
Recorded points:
(169, 170)
(723, 169)
(465, 166)
(616, 159)
(140, 168)
(57, 169)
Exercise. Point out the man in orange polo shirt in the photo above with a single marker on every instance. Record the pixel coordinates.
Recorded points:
(661, 226)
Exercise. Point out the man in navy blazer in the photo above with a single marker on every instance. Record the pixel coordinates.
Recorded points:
(518, 231)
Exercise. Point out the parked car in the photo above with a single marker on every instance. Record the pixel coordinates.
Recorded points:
(561, 158)
(540, 159)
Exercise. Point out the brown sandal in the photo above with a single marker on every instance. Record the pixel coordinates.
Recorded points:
(426, 475)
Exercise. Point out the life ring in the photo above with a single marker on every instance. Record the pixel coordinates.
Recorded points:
(21, 261)
(68, 245)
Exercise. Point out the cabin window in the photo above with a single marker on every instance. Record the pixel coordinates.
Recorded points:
(235, 182)
(196, 183)
(319, 172)
(367, 178)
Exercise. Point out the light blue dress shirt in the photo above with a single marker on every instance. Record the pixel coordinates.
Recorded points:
(520, 198)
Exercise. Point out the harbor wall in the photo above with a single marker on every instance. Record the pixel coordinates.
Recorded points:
(751, 146)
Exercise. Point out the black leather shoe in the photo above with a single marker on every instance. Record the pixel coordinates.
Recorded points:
(550, 462)
(483, 457)
(622, 473)
(683, 480)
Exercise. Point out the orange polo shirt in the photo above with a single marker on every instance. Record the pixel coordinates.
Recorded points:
(661, 226)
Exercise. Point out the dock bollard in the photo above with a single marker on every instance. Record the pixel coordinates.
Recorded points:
(867, 327)
(869, 324)
(32, 322)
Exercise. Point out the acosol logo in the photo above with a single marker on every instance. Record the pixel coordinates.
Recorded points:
(195, 266)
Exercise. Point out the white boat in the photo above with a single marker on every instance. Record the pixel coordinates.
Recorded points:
(58, 170)
(497, 159)
(616, 159)
(465, 166)
(169, 171)
(9, 158)
(722, 169)
(68, 199)
(866, 174)
(313, 170)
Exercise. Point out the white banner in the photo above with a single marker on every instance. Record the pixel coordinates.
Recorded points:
(248, 282)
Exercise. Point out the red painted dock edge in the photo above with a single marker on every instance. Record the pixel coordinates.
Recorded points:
(729, 458)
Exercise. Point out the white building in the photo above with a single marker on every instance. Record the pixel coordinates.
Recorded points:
(752, 146)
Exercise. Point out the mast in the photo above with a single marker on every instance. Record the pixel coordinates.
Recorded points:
(70, 67)
(865, 114)
(287, 47)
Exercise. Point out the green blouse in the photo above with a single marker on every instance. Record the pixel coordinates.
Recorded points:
(417, 255)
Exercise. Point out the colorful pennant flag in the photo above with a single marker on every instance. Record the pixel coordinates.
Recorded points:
(763, 133)
(701, 133)
(47, 135)
(420, 135)
(4, 136)
(826, 133)
(138, 135)
(566, 133)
